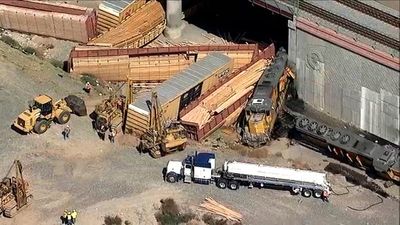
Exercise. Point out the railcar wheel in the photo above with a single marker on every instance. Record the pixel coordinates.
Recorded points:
(335, 135)
(303, 122)
(345, 138)
(221, 183)
(322, 130)
(313, 125)
(306, 192)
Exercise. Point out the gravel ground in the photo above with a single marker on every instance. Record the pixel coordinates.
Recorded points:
(98, 178)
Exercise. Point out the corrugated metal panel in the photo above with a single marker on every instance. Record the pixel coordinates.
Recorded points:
(116, 5)
(348, 86)
(182, 82)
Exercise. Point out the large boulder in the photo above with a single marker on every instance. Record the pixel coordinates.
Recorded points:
(76, 104)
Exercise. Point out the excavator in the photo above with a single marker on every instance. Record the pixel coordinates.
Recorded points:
(161, 138)
(14, 194)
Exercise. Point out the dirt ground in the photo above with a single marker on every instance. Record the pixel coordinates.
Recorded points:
(99, 178)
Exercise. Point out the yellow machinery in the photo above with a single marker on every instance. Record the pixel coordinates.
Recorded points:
(41, 113)
(14, 194)
(161, 139)
(109, 113)
(266, 103)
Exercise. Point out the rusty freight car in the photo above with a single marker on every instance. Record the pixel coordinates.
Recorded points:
(150, 65)
(112, 13)
(138, 29)
(57, 20)
(222, 105)
(178, 91)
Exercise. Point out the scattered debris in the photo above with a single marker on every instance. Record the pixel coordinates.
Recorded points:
(355, 177)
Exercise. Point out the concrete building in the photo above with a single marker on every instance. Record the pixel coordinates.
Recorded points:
(347, 59)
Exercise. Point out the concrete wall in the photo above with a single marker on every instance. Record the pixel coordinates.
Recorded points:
(345, 85)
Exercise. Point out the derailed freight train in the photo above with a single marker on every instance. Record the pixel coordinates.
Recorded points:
(349, 146)
(266, 103)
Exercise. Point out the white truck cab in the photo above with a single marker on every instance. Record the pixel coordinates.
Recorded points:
(198, 168)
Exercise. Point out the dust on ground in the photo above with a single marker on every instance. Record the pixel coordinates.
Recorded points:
(99, 178)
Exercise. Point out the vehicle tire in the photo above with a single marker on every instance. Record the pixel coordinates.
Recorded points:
(317, 193)
(64, 117)
(295, 190)
(221, 183)
(233, 185)
(306, 192)
(41, 126)
(172, 177)
(155, 153)
(182, 147)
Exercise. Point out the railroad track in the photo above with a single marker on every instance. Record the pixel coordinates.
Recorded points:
(333, 18)
(371, 11)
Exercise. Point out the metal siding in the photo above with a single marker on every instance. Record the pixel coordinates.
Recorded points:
(348, 86)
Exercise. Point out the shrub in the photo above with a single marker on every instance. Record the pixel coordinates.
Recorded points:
(115, 220)
(169, 213)
(30, 51)
(57, 63)
(112, 220)
(10, 41)
(211, 220)
(86, 77)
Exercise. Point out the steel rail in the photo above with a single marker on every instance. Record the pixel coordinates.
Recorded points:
(345, 23)
(371, 11)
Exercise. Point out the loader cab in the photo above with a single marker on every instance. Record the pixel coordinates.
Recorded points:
(44, 103)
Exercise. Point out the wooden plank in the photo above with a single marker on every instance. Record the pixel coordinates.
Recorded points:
(136, 30)
(226, 95)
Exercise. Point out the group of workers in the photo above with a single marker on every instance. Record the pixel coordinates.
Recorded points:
(102, 133)
(69, 217)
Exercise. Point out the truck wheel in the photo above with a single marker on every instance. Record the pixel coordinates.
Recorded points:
(295, 190)
(172, 177)
(306, 192)
(64, 117)
(155, 153)
(221, 183)
(233, 185)
(40, 126)
(317, 193)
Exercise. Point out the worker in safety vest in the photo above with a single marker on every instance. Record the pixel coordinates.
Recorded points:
(64, 218)
(68, 219)
(74, 214)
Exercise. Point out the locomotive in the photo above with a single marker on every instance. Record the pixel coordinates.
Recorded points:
(269, 96)
(349, 146)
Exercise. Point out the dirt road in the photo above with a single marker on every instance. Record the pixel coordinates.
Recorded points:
(99, 178)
